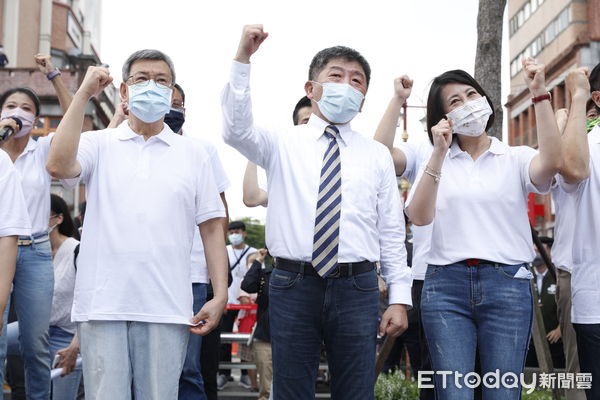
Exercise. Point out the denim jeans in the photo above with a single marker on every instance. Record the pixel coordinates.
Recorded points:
(588, 347)
(191, 385)
(119, 353)
(64, 387)
(33, 287)
(305, 310)
(468, 307)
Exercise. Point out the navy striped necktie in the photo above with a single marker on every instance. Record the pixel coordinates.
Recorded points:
(327, 223)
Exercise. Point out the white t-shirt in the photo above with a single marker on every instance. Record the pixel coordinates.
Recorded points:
(36, 181)
(418, 154)
(585, 276)
(64, 285)
(238, 272)
(481, 208)
(14, 218)
(564, 228)
(135, 263)
(199, 266)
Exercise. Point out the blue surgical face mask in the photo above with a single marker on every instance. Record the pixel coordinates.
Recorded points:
(149, 101)
(339, 102)
(175, 120)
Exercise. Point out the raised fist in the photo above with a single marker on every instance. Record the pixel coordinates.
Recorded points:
(95, 80)
(252, 38)
(534, 76)
(403, 86)
(44, 63)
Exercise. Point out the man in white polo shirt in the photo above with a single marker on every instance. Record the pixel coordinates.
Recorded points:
(14, 222)
(133, 298)
(581, 177)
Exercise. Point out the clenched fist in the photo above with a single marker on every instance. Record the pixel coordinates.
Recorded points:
(535, 77)
(402, 87)
(95, 80)
(442, 135)
(252, 38)
(44, 63)
(577, 82)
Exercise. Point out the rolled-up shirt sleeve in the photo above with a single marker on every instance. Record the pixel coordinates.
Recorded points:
(391, 226)
(254, 143)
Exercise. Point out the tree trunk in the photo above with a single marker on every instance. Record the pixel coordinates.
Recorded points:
(488, 61)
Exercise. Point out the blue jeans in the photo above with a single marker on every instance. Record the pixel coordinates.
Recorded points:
(64, 387)
(468, 307)
(305, 310)
(191, 385)
(117, 354)
(33, 287)
(588, 347)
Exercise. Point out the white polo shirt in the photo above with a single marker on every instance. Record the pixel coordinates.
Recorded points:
(481, 208)
(585, 276)
(36, 181)
(564, 228)
(237, 273)
(134, 262)
(14, 219)
(417, 154)
(199, 266)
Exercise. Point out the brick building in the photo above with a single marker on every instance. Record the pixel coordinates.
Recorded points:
(562, 34)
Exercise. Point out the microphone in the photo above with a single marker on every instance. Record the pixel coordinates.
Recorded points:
(8, 130)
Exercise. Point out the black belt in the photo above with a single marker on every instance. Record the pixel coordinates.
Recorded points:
(472, 262)
(342, 270)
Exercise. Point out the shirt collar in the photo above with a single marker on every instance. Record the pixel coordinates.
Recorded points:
(31, 145)
(319, 126)
(497, 147)
(126, 133)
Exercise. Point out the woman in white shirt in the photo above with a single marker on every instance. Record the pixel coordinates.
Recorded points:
(474, 189)
(34, 277)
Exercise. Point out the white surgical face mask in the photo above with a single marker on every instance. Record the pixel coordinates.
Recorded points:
(471, 118)
(235, 238)
(339, 102)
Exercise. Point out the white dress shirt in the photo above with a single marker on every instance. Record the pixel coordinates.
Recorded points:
(481, 207)
(36, 181)
(585, 276)
(134, 262)
(418, 154)
(564, 228)
(238, 273)
(371, 221)
(199, 266)
(14, 218)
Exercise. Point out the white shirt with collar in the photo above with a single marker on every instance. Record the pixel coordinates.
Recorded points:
(134, 262)
(481, 207)
(585, 276)
(239, 271)
(371, 221)
(565, 213)
(417, 154)
(539, 283)
(14, 218)
(36, 181)
(199, 266)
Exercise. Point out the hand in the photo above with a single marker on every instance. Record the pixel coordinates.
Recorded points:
(94, 81)
(394, 320)
(402, 87)
(261, 254)
(442, 135)
(534, 76)
(44, 63)
(554, 335)
(68, 358)
(9, 122)
(577, 82)
(120, 115)
(561, 115)
(245, 300)
(211, 314)
(252, 38)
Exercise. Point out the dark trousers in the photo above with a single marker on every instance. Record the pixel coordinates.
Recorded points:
(209, 360)
(588, 348)
(306, 310)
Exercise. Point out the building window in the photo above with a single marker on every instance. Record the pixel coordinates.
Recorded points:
(523, 15)
(46, 125)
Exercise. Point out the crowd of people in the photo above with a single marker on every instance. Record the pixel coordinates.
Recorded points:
(131, 304)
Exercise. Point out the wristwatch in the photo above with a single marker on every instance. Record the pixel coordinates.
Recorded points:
(53, 74)
(537, 99)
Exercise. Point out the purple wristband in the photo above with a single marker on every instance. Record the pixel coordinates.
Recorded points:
(53, 74)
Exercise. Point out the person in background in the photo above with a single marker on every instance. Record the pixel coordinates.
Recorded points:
(237, 253)
(257, 281)
(3, 58)
(253, 195)
(474, 190)
(53, 74)
(133, 302)
(580, 178)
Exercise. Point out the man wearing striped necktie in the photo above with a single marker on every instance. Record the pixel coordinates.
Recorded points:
(334, 210)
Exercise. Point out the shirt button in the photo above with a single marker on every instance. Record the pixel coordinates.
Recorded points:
(244, 74)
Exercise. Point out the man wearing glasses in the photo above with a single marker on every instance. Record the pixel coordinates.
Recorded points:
(133, 298)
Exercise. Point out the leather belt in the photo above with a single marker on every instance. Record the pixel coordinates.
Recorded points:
(342, 270)
(34, 239)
